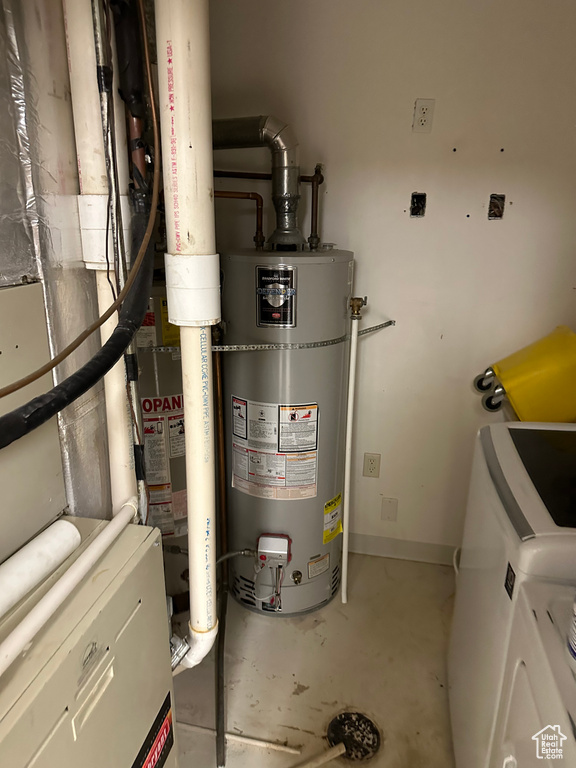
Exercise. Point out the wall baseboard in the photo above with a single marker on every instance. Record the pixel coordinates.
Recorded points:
(381, 546)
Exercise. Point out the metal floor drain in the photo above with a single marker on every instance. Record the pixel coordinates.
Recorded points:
(358, 734)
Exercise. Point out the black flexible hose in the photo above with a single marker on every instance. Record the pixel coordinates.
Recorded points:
(129, 50)
(28, 417)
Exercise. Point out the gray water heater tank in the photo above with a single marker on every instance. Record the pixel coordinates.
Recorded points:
(285, 424)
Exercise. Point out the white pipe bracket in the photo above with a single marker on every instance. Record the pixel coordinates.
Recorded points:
(193, 289)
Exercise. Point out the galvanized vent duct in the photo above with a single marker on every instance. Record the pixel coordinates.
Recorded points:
(268, 131)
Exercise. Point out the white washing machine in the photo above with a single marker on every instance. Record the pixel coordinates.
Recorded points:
(537, 710)
(520, 525)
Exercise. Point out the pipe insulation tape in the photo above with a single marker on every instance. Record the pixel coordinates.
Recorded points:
(193, 289)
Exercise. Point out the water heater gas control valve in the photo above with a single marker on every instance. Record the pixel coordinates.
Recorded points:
(273, 550)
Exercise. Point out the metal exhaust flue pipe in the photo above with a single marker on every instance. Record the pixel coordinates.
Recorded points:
(268, 131)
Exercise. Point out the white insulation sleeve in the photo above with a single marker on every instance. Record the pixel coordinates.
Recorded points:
(348, 457)
(193, 289)
(123, 483)
(93, 214)
(20, 637)
(35, 562)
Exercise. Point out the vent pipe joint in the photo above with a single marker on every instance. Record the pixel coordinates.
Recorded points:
(269, 131)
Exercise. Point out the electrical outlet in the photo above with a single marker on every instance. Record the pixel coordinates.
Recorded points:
(423, 115)
(389, 510)
(371, 465)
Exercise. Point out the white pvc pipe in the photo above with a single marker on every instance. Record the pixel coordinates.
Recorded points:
(248, 740)
(86, 103)
(192, 279)
(123, 483)
(323, 758)
(85, 97)
(35, 562)
(348, 459)
(94, 182)
(19, 639)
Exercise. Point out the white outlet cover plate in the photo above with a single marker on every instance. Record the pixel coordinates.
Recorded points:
(389, 510)
(423, 115)
(371, 466)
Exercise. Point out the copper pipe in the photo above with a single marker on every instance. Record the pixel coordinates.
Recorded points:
(137, 148)
(259, 176)
(242, 175)
(259, 236)
(315, 181)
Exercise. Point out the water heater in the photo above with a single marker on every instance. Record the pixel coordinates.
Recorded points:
(286, 321)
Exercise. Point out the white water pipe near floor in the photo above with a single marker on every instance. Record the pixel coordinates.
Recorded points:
(19, 639)
(35, 561)
(348, 455)
(192, 280)
(323, 758)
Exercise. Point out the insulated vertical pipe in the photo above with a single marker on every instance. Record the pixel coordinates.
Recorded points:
(118, 416)
(348, 458)
(93, 182)
(192, 279)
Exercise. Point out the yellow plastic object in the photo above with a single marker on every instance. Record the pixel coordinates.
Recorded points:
(540, 380)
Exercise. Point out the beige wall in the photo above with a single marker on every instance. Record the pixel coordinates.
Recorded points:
(464, 291)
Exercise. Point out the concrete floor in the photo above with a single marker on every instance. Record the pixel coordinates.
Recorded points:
(383, 654)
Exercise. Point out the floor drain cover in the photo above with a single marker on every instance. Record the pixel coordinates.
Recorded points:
(358, 734)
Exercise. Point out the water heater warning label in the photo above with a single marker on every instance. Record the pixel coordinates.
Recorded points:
(298, 427)
(164, 435)
(332, 518)
(274, 449)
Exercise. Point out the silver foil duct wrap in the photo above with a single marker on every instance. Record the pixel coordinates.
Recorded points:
(39, 226)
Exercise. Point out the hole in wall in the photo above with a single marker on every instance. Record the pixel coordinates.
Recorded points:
(496, 207)
(417, 205)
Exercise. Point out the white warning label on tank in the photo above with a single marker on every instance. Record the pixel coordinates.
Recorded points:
(163, 422)
(263, 426)
(318, 566)
(239, 418)
(298, 428)
(155, 450)
(176, 434)
(259, 466)
(160, 510)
